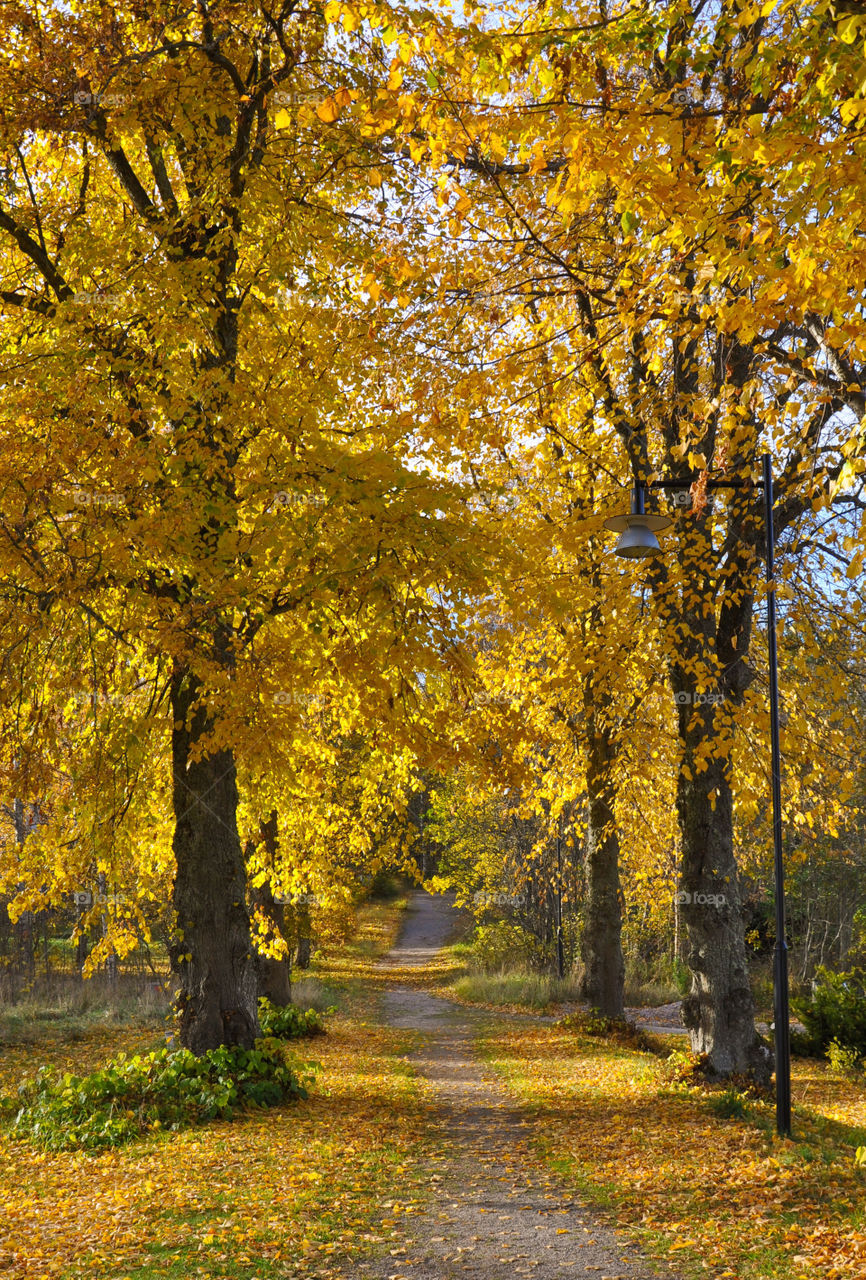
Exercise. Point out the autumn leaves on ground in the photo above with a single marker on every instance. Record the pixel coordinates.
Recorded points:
(695, 1180)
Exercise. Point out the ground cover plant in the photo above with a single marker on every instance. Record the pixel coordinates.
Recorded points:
(164, 1089)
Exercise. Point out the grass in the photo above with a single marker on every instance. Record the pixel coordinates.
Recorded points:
(527, 990)
(289, 1192)
(639, 994)
(697, 1179)
(72, 1011)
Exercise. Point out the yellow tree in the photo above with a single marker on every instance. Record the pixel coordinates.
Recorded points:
(198, 459)
(675, 193)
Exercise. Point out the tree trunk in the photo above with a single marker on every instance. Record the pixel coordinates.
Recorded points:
(719, 1011)
(302, 916)
(604, 968)
(274, 973)
(210, 954)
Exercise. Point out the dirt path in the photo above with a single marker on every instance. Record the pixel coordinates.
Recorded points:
(501, 1214)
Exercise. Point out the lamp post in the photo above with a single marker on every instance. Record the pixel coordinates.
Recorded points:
(637, 539)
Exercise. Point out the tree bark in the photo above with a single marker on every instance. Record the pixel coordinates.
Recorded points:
(719, 1012)
(304, 925)
(210, 954)
(604, 968)
(274, 973)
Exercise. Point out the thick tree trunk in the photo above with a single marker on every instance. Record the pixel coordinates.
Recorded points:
(210, 954)
(604, 968)
(719, 1012)
(274, 973)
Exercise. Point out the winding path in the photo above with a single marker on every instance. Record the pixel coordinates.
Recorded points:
(500, 1214)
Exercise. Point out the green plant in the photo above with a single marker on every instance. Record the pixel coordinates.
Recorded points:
(288, 1022)
(802, 1045)
(730, 1104)
(682, 976)
(502, 945)
(651, 980)
(166, 1089)
(590, 1022)
(535, 990)
(683, 1066)
(836, 1010)
(844, 1059)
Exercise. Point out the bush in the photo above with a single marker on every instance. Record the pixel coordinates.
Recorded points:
(289, 1022)
(684, 1066)
(166, 1089)
(502, 945)
(654, 980)
(844, 1060)
(730, 1104)
(619, 1031)
(836, 1011)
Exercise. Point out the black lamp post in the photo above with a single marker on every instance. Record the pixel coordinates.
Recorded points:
(637, 532)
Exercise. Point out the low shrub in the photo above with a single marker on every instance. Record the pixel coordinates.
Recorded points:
(684, 1066)
(730, 1104)
(651, 981)
(836, 1011)
(288, 1022)
(166, 1089)
(590, 1022)
(310, 992)
(847, 1061)
(803, 1046)
(502, 945)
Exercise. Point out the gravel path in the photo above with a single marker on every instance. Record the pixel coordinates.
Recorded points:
(500, 1214)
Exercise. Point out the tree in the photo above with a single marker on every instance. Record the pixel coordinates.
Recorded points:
(633, 193)
(202, 468)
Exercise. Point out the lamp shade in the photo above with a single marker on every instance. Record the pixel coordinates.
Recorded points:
(637, 540)
(637, 533)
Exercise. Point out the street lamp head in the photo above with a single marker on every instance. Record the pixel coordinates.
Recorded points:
(637, 533)
(637, 541)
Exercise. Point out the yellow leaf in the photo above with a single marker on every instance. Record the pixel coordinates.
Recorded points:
(328, 111)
